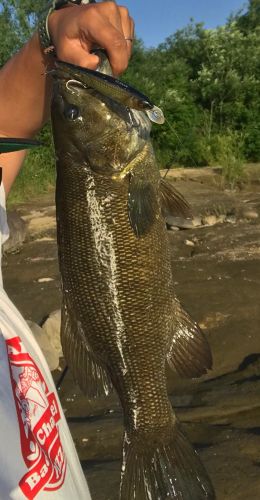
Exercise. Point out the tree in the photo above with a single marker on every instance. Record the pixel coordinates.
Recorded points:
(227, 83)
(206, 81)
(251, 19)
(17, 22)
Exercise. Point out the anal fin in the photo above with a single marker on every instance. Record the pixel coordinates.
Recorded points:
(87, 370)
(189, 354)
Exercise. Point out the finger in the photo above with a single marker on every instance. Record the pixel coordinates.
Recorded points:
(126, 21)
(63, 28)
(119, 17)
(71, 50)
(128, 29)
(102, 32)
(112, 12)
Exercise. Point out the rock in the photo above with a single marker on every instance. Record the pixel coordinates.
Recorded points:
(180, 222)
(221, 218)
(18, 232)
(189, 243)
(96, 441)
(41, 220)
(51, 327)
(209, 220)
(213, 320)
(196, 221)
(231, 219)
(204, 175)
(41, 224)
(45, 280)
(250, 214)
(46, 346)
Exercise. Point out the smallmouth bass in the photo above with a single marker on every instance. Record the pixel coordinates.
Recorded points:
(121, 320)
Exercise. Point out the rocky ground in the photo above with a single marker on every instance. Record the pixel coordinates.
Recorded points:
(215, 263)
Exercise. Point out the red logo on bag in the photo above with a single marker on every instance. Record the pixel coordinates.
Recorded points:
(38, 414)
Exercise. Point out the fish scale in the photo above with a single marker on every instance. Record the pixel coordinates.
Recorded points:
(132, 281)
(121, 320)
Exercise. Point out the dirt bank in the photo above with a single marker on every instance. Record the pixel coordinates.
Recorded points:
(216, 268)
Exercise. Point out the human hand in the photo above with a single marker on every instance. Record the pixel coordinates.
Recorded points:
(75, 30)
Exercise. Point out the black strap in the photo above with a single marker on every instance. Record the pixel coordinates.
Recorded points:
(7, 144)
(59, 4)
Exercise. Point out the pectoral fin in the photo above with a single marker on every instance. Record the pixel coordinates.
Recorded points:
(88, 371)
(189, 354)
(172, 202)
(142, 204)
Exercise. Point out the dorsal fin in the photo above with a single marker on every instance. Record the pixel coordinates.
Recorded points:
(173, 203)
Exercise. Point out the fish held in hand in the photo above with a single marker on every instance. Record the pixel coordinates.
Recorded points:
(121, 319)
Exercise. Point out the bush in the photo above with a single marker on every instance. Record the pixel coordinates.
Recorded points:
(38, 171)
(227, 151)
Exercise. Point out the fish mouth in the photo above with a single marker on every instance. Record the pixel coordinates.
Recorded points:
(104, 84)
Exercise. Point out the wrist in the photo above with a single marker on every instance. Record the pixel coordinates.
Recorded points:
(54, 20)
(47, 25)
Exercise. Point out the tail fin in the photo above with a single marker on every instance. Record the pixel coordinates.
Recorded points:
(170, 469)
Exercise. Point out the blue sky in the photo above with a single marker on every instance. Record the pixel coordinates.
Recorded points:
(155, 20)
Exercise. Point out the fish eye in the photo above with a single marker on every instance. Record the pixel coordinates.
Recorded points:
(71, 112)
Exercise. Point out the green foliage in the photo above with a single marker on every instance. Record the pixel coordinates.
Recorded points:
(38, 172)
(251, 19)
(164, 79)
(228, 81)
(227, 151)
(17, 22)
(206, 82)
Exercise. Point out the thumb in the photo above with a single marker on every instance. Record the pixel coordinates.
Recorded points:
(71, 50)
